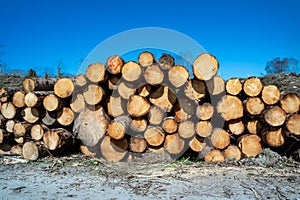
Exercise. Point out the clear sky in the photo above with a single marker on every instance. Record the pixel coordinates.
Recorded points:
(242, 34)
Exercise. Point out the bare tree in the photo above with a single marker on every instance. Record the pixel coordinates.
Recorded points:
(286, 65)
(59, 67)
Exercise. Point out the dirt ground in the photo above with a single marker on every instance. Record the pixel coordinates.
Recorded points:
(269, 176)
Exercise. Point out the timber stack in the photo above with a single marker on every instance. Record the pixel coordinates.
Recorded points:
(119, 109)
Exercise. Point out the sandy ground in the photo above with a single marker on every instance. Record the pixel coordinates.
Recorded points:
(78, 177)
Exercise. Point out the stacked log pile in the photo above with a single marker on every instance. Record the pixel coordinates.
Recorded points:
(118, 110)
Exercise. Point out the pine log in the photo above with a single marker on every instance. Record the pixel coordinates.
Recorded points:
(51, 103)
(80, 80)
(138, 106)
(250, 145)
(16, 150)
(63, 87)
(290, 103)
(186, 129)
(178, 76)
(216, 85)
(293, 124)
(50, 118)
(195, 89)
(230, 107)
(18, 99)
(232, 152)
(273, 136)
(19, 140)
(154, 75)
(115, 107)
(254, 105)
(9, 125)
(131, 71)
(125, 90)
(93, 94)
(170, 125)
(37, 132)
(96, 72)
(187, 105)
(205, 111)
(3, 95)
(220, 138)
(236, 127)
(87, 151)
(180, 113)
(214, 155)
(113, 150)
(166, 61)
(205, 66)
(154, 135)
(138, 125)
(117, 128)
(146, 59)
(254, 126)
(90, 126)
(138, 144)
(114, 64)
(197, 145)
(38, 84)
(234, 86)
(144, 90)
(174, 144)
(20, 129)
(252, 86)
(270, 94)
(8, 110)
(274, 116)
(65, 116)
(77, 103)
(164, 98)
(30, 151)
(156, 115)
(56, 138)
(33, 100)
(204, 128)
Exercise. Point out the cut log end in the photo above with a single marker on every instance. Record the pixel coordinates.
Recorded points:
(205, 66)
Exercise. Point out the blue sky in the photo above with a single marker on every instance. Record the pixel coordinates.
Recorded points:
(242, 34)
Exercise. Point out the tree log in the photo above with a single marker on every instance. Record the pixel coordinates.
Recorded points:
(170, 125)
(138, 144)
(205, 67)
(77, 103)
(56, 138)
(65, 116)
(93, 94)
(250, 145)
(96, 72)
(52, 103)
(114, 64)
(178, 76)
(197, 145)
(290, 103)
(220, 138)
(156, 115)
(115, 107)
(293, 124)
(63, 87)
(37, 132)
(50, 118)
(87, 151)
(252, 86)
(3, 95)
(236, 127)
(144, 90)
(18, 99)
(274, 116)
(30, 151)
(146, 59)
(154, 75)
(138, 125)
(214, 155)
(8, 110)
(195, 90)
(20, 129)
(38, 84)
(164, 98)
(125, 90)
(216, 85)
(9, 125)
(234, 86)
(131, 71)
(117, 128)
(174, 144)
(80, 80)
(113, 150)
(270, 94)
(254, 126)
(205, 111)
(254, 105)
(232, 152)
(154, 135)
(138, 106)
(204, 128)
(230, 107)
(33, 100)
(273, 136)
(166, 61)
(186, 129)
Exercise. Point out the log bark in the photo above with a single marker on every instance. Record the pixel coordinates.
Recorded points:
(154, 135)
(8, 110)
(273, 136)
(236, 127)
(138, 106)
(64, 87)
(114, 64)
(90, 126)
(18, 99)
(156, 115)
(216, 85)
(197, 145)
(154, 75)
(254, 105)
(65, 116)
(93, 94)
(174, 144)
(164, 98)
(233, 86)
(270, 94)
(138, 125)
(30, 151)
(250, 145)
(166, 61)
(117, 128)
(214, 155)
(232, 152)
(290, 103)
(186, 129)
(138, 144)
(230, 107)
(146, 59)
(51, 103)
(205, 67)
(205, 111)
(96, 72)
(131, 71)
(178, 76)
(204, 128)
(125, 90)
(293, 124)
(254, 126)
(77, 103)
(113, 150)
(170, 125)
(252, 86)
(37, 132)
(274, 116)
(115, 107)
(220, 138)
(195, 90)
